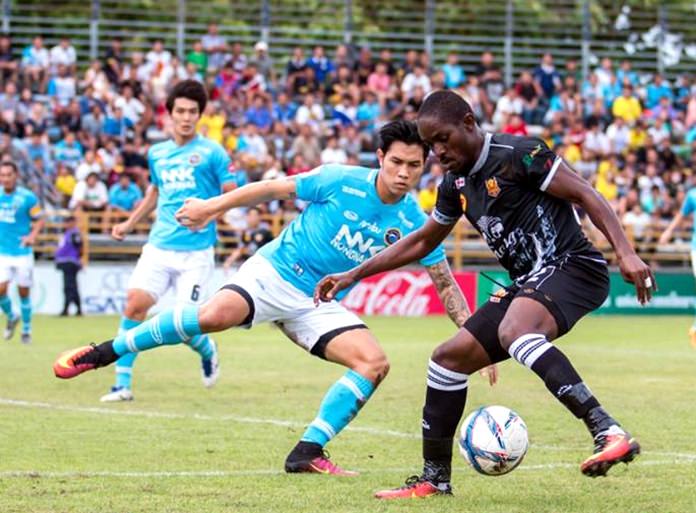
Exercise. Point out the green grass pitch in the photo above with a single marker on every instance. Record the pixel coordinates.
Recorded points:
(181, 448)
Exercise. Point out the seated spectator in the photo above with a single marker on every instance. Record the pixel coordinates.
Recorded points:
(90, 195)
(198, 57)
(115, 124)
(298, 166)
(310, 113)
(295, 67)
(132, 108)
(65, 183)
(259, 113)
(625, 74)
(417, 78)
(251, 143)
(124, 197)
(515, 125)
(454, 72)
(284, 110)
(508, 104)
(332, 153)
(547, 76)
(627, 106)
(63, 86)
(379, 80)
(656, 90)
(9, 65)
(255, 235)
(212, 122)
(35, 63)
(307, 145)
(63, 54)
(89, 165)
(321, 64)
(346, 112)
(427, 196)
(93, 122)
(37, 149)
(264, 63)
(238, 58)
(69, 151)
(369, 112)
(113, 61)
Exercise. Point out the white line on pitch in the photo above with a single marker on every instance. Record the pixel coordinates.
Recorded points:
(272, 422)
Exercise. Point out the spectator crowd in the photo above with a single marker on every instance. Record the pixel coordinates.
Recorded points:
(82, 135)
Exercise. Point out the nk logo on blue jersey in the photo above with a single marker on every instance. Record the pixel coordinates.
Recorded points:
(355, 246)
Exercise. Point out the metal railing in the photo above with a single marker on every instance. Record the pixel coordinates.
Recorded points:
(655, 37)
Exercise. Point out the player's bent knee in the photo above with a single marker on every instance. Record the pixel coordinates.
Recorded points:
(374, 368)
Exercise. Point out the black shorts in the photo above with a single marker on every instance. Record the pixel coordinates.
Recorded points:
(569, 290)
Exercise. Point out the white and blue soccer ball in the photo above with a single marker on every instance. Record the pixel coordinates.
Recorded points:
(493, 440)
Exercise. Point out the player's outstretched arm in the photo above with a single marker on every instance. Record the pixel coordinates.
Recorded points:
(409, 249)
(667, 234)
(144, 209)
(569, 186)
(196, 213)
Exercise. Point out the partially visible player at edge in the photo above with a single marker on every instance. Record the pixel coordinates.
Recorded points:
(519, 195)
(188, 165)
(687, 209)
(353, 212)
(21, 221)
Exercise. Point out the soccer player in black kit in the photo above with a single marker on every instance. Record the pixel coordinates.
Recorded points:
(519, 196)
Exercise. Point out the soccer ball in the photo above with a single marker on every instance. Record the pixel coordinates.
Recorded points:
(493, 439)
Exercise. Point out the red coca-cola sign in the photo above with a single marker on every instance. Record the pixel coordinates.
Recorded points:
(404, 293)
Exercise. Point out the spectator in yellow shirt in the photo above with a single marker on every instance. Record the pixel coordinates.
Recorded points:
(637, 136)
(212, 122)
(428, 196)
(65, 183)
(627, 106)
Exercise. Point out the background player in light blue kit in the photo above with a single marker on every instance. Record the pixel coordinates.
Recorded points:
(687, 209)
(353, 213)
(20, 223)
(188, 165)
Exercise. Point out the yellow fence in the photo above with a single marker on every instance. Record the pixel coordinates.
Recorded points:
(464, 246)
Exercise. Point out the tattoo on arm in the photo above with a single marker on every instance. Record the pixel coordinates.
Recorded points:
(451, 296)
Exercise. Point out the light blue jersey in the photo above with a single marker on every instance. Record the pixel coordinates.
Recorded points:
(16, 212)
(344, 224)
(197, 169)
(687, 208)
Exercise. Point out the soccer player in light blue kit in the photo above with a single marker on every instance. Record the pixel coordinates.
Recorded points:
(687, 209)
(20, 223)
(188, 165)
(353, 213)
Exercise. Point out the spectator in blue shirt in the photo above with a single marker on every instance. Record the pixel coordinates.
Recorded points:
(368, 112)
(284, 110)
(454, 73)
(116, 125)
(321, 64)
(124, 197)
(69, 151)
(259, 114)
(626, 74)
(38, 150)
(657, 90)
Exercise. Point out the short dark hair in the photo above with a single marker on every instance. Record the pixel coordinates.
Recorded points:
(445, 106)
(190, 89)
(401, 131)
(10, 163)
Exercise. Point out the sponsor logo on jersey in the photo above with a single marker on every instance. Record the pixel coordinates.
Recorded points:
(492, 187)
(408, 224)
(460, 182)
(354, 246)
(353, 191)
(498, 295)
(391, 236)
(350, 215)
(178, 178)
(529, 157)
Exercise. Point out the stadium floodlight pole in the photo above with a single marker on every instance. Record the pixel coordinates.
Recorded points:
(94, 30)
(265, 20)
(180, 28)
(509, 37)
(6, 14)
(429, 43)
(662, 23)
(348, 22)
(586, 37)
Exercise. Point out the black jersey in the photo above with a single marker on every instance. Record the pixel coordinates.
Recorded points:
(504, 197)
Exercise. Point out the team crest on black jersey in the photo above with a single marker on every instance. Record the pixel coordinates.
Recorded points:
(492, 187)
(194, 159)
(392, 236)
